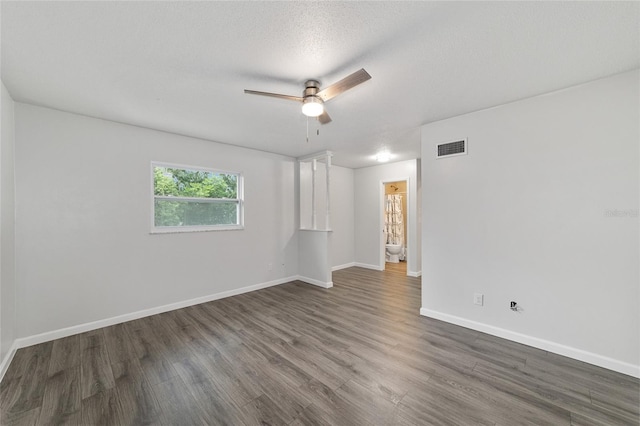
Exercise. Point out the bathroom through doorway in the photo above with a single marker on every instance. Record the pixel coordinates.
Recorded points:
(395, 221)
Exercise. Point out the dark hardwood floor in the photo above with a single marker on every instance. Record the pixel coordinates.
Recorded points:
(295, 354)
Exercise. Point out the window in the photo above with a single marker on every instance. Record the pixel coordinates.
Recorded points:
(195, 199)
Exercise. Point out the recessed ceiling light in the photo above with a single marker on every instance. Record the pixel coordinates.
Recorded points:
(383, 156)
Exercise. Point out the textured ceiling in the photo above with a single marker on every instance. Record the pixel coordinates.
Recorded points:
(182, 66)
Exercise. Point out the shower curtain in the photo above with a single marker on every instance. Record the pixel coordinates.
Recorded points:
(393, 223)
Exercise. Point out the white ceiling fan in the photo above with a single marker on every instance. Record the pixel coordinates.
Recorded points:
(313, 98)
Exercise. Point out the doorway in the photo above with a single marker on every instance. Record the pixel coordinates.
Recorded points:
(395, 236)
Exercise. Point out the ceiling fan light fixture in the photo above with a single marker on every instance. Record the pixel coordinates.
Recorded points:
(312, 106)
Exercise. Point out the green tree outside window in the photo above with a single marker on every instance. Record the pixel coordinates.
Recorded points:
(177, 192)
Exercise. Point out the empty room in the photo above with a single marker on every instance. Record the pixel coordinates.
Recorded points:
(319, 213)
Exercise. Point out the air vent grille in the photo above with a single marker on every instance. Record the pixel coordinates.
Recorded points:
(452, 148)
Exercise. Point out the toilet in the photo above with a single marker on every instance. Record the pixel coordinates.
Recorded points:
(393, 252)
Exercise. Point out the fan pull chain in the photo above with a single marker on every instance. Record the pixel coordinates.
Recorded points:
(307, 129)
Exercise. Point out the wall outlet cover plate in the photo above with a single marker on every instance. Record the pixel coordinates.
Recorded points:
(478, 299)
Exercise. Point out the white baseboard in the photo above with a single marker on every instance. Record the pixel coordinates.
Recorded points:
(414, 274)
(344, 266)
(368, 266)
(315, 282)
(546, 345)
(81, 328)
(4, 364)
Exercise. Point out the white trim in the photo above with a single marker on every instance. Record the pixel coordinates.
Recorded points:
(192, 167)
(557, 348)
(183, 229)
(414, 274)
(317, 156)
(4, 365)
(315, 282)
(344, 266)
(81, 328)
(368, 266)
(197, 199)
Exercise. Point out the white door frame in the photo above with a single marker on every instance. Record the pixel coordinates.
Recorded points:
(408, 236)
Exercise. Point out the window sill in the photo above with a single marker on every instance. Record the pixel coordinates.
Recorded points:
(189, 229)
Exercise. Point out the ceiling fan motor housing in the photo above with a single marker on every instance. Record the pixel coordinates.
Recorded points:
(312, 87)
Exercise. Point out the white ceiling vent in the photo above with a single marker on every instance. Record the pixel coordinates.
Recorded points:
(451, 149)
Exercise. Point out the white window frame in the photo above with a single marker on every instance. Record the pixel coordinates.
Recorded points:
(196, 228)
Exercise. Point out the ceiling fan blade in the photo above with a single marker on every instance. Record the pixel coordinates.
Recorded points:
(274, 95)
(343, 85)
(324, 118)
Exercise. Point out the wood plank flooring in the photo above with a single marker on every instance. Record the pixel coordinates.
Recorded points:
(295, 354)
(396, 267)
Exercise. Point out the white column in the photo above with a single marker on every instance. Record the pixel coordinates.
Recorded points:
(313, 194)
(328, 219)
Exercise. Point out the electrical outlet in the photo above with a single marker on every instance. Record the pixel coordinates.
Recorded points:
(269, 266)
(478, 299)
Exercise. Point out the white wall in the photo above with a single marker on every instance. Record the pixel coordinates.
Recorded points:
(369, 212)
(305, 185)
(314, 259)
(342, 217)
(83, 248)
(524, 217)
(7, 228)
(313, 195)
